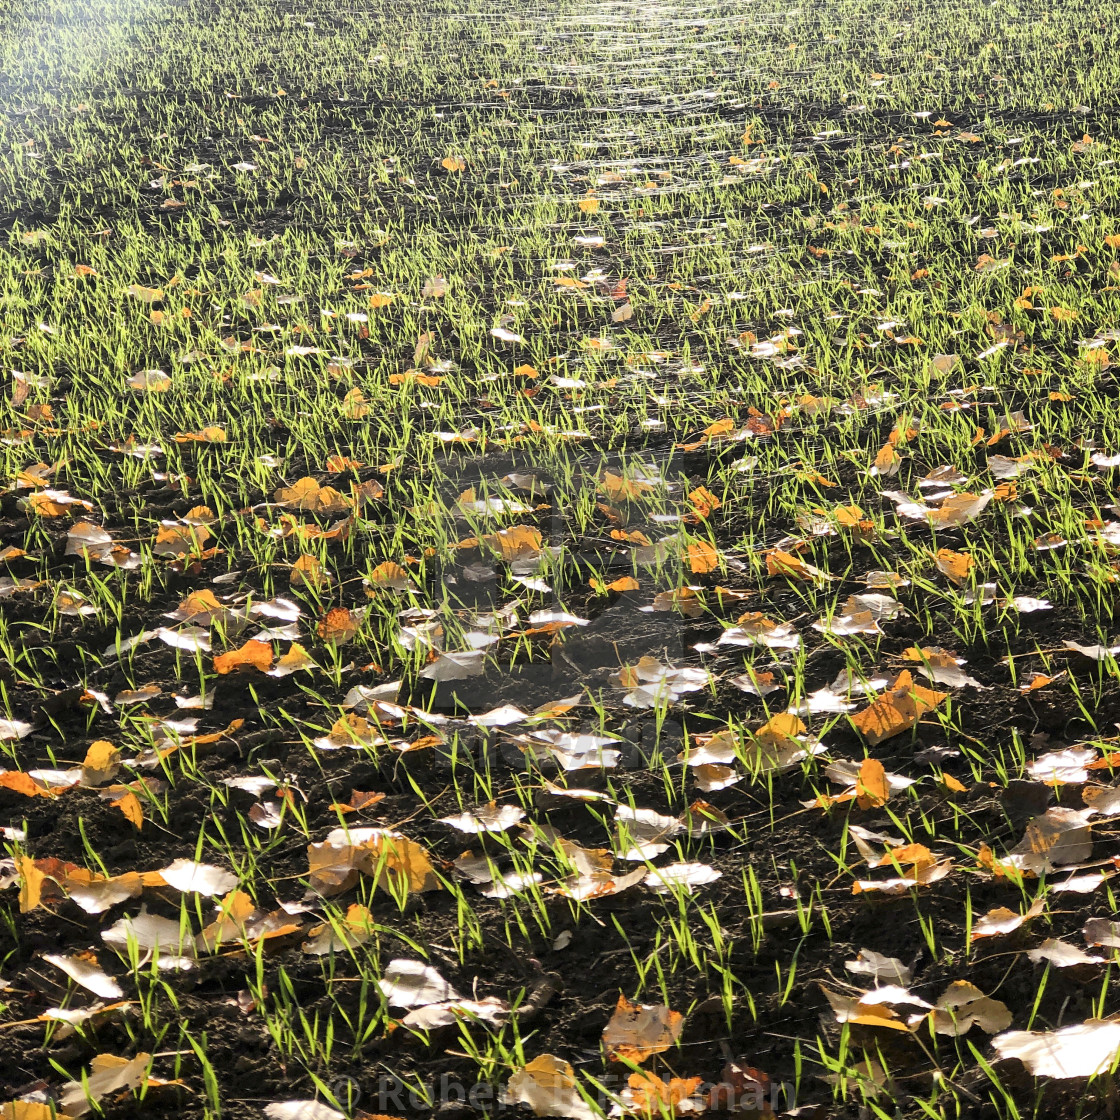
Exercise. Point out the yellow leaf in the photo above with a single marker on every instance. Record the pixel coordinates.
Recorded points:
(307, 494)
(19, 782)
(176, 540)
(26, 1110)
(633, 536)
(354, 406)
(199, 602)
(295, 659)
(651, 1096)
(101, 762)
(391, 575)
(848, 517)
(145, 295)
(589, 205)
(619, 489)
(453, 163)
(705, 501)
(31, 881)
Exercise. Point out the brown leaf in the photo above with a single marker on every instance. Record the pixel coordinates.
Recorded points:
(307, 494)
(359, 800)
(637, 1030)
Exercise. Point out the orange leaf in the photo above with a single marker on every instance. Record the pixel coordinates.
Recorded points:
(896, 711)
(637, 1030)
(31, 881)
(358, 801)
(872, 789)
(954, 566)
(252, 655)
(129, 804)
(652, 1096)
(19, 782)
(704, 500)
(519, 542)
(888, 461)
(702, 557)
(623, 583)
(337, 626)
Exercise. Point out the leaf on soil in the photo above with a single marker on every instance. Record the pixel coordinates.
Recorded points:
(954, 566)
(356, 928)
(158, 938)
(638, 1030)
(962, 1006)
(306, 494)
(336, 862)
(1061, 954)
(897, 710)
(107, 1074)
(301, 1110)
(189, 877)
(881, 969)
(296, 660)
(1057, 838)
(491, 818)
(649, 1095)
(1002, 921)
(338, 626)
(84, 969)
(252, 655)
(671, 878)
(548, 1086)
(408, 984)
(519, 542)
(1083, 1050)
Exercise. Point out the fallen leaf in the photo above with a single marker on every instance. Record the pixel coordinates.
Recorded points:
(897, 710)
(107, 1074)
(547, 1085)
(1083, 1050)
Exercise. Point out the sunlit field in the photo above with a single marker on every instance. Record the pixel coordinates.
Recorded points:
(559, 561)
